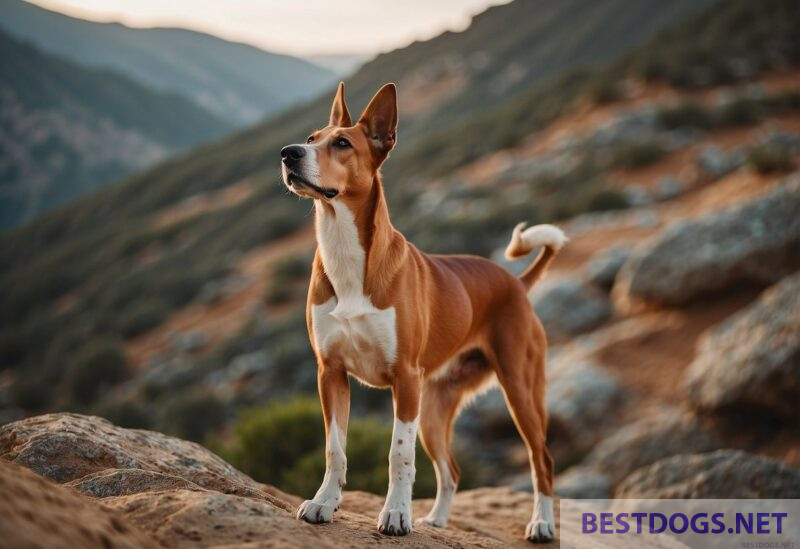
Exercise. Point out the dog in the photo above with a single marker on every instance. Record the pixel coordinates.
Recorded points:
(435, 329)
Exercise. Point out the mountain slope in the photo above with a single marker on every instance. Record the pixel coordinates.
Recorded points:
(238, 82)
(121, 261)
(495, 35)
(67, 129)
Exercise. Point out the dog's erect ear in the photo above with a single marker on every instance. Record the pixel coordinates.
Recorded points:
(340, 116)
(380, 118)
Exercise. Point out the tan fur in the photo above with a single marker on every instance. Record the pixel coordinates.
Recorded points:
(461, 320)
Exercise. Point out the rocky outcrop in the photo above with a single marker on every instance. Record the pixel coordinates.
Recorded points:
(155, 490)
(583, 483)
(35, 513)
(752, 359)
(67, 447)
(568, 306)
(604, 265)
(755, 243)
(724, 474)
(645, 441)
(580, 398)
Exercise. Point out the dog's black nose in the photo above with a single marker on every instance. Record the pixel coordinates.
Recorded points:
(292, 153)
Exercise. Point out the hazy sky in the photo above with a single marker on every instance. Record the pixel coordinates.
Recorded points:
(298, 27)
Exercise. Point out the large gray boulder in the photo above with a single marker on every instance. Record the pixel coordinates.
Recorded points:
(648, 440)
(724, 474)
(568, 306)
(68, 447)
(581, 398)
(758, 243)
(582, 483)
(605, 264)
(752, 359)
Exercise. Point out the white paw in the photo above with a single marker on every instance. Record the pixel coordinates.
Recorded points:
(540, 531)
(394, 522)
(436, 522)
(315, 513)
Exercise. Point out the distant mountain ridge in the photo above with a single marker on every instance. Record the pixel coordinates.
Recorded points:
(67, 129)
(238, 82)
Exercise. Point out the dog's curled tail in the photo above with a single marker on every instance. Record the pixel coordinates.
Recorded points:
(524, 241)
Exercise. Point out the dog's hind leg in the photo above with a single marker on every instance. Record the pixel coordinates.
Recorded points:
(442, 398)
(439, 406)
(521, 376)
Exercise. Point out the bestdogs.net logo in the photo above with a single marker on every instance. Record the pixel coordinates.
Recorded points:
(743, 524)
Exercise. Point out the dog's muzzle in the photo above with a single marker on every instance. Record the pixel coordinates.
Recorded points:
(291, 156)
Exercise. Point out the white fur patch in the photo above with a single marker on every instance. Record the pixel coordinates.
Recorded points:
(310, 166)
(538, 235)
(542, 526)
(335, 466)
(367, 335)
(396, 514)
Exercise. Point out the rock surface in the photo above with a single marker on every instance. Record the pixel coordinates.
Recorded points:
(756, 243)
(580, 398)
(648, 440)
(583, 483)
(152, 503)
(752, 359)
(66, 447)
(569, 306)
(604, 265)
(174, 493)
(721, 475)
(35, 513)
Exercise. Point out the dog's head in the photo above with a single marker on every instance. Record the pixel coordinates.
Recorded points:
(341, 159)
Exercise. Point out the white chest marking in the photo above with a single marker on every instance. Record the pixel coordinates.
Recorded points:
(365, 333)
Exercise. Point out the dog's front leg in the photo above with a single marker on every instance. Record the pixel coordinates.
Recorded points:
(334, 393)
(395, 518)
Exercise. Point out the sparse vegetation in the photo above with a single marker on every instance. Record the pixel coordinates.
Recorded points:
(288, 279)
(740, 112)
(284, 444)
(604, 199)
(194, 415)
(689, 114)
(637, 154)
(99, 363)
(126, 413)
(143, 315)
(769, 160)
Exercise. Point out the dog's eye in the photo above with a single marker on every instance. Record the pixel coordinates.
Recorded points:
(310, 139)
(341, 142)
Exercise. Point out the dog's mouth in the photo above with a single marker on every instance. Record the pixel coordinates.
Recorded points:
(298, 182)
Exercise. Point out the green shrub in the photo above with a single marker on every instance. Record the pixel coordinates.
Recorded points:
(292, 267)
(604, 90)
(31, 393)
(605, 199)
(740, 112)
(769, 160)
(126, 413)
(689, 114)
(279, 293)
(194, 415)
(99, 363)
(143, 315)
(271, 439)
(283, 444)
(287, 274)
(637, 154)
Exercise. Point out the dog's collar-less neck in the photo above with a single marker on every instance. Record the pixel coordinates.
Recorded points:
(376, 234)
